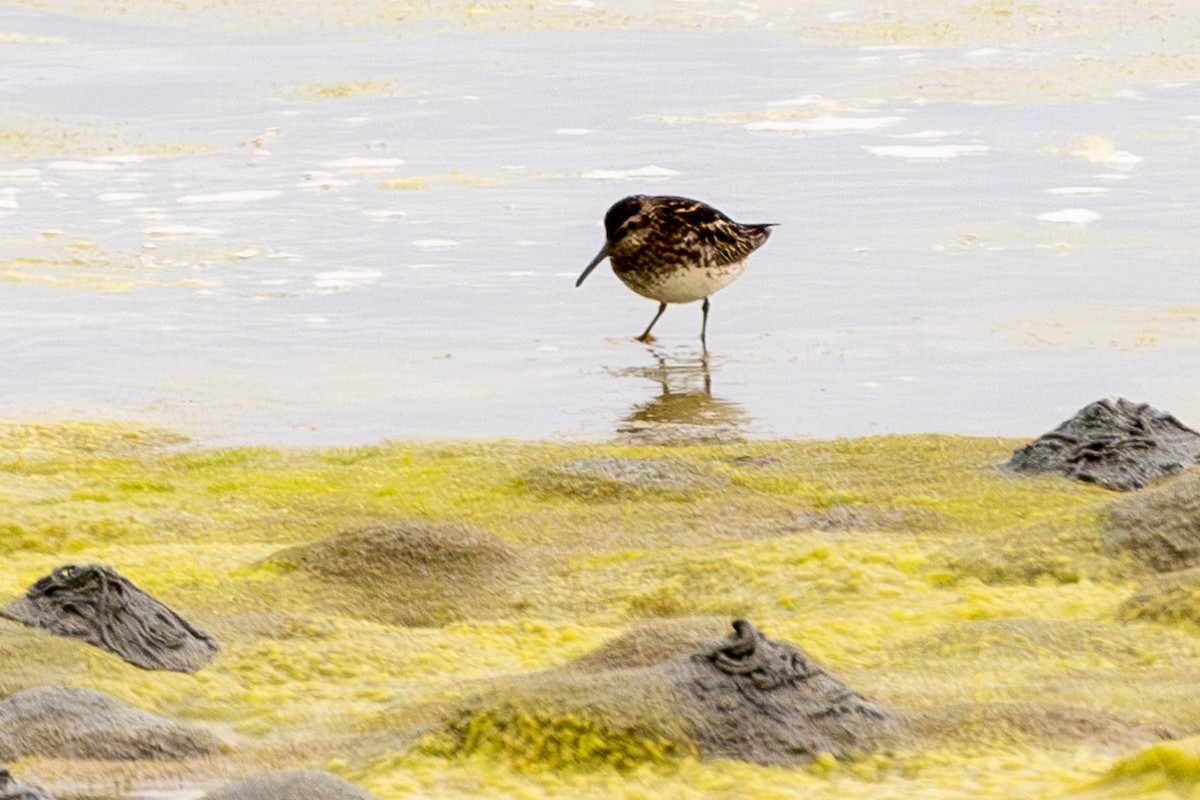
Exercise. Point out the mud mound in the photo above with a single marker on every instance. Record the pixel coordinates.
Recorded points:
(68, 722)
(1114, 443)
(294, 785)
(651, 643)
(1065, 551)
(410, 573)
(747, 698)
(1160, 527)
(619, 478)
(13, 789)
(842, 517)
(1022, 640)
(98, 606)
(1167, 598)
(1025, 724)
(431, 548)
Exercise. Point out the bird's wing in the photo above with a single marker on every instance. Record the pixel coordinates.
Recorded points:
(703, 229)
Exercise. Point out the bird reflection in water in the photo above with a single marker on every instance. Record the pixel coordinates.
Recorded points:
(685, 409)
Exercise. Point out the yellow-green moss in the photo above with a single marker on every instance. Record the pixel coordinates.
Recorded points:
(1169, 767)
(894, 561)
(531, 739)
(1173, 598)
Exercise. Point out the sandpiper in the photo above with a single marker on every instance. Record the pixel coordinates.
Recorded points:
(675, 250)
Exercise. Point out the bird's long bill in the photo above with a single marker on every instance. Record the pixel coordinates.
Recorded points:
(603, 254)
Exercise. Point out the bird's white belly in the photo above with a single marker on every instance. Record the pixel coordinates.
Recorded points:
(683, 285)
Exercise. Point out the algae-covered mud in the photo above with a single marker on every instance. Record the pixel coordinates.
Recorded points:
(304, 222)
(504, 619)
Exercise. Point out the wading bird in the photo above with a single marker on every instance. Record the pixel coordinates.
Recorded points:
(675, 250)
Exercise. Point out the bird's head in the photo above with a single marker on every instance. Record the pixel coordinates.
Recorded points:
(616, 225)
(621, 213)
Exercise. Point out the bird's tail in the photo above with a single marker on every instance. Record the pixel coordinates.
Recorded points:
(761, 231)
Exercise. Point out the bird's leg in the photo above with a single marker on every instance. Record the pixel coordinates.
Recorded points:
(704, 327)
(646, 337)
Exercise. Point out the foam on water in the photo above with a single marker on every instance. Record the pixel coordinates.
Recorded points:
(82, 166)
(383, 215)
(926, 152)
(126, 158)
(931, 134)
(823, 125)
(363, 163)
(168, 794)
(435, 244)
(243, 196)
(1078, 190)
(641, 173)
(804, 100)
(1073, 216)
(1122, 159)
(346, 278)
(178, 231)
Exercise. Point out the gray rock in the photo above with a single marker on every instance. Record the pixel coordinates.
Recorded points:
(290, 785)
(13, 789)
(73, 722)
(96, 605)
(1114, 443)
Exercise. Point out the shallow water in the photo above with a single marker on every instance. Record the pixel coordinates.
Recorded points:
(335, 229)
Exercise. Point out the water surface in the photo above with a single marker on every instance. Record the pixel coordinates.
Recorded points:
(315, 228)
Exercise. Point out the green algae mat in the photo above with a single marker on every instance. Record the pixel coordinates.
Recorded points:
(387, 612)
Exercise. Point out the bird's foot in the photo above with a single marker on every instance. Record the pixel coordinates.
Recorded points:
(645, 338)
